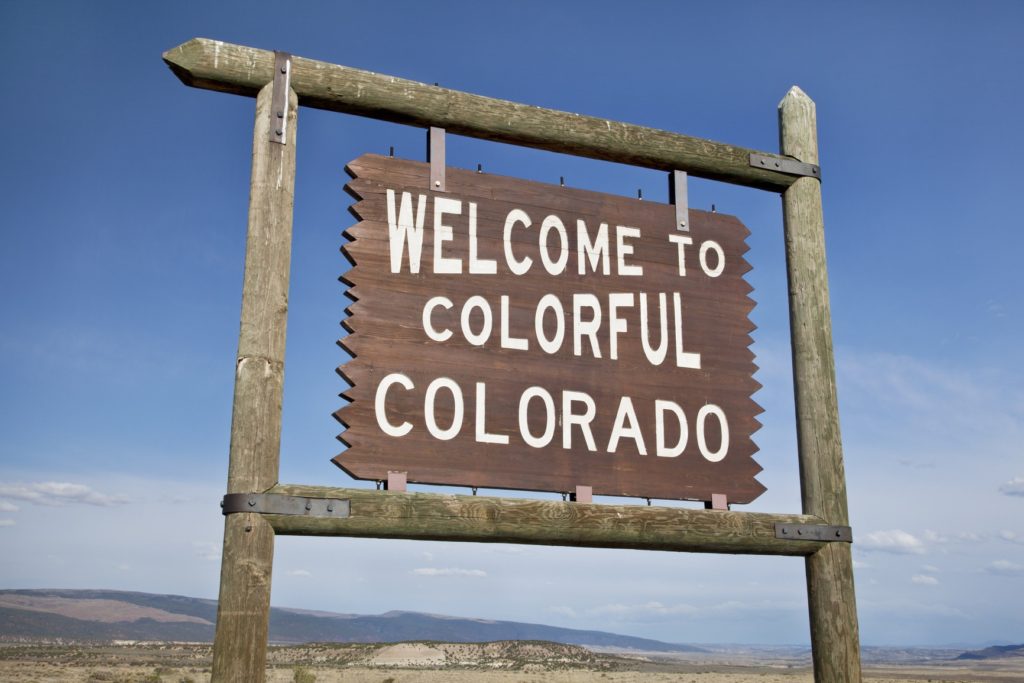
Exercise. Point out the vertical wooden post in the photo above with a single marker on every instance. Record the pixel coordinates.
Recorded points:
(833, 609)
(243, 611)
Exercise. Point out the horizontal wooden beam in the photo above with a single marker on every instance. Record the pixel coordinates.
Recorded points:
(484, 519)
(214, 65)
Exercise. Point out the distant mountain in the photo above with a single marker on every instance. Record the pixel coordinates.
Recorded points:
(995, 652)
(122, 615)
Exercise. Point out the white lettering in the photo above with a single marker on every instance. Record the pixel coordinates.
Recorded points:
(620, 430)
(381, 398)
(428, 327)
(481, 417)
(401, 230)
(443, 233)
(622, 250)
(428, 409)
(480, 303)
(723, 447)
(659, 428)
(583, 420)
(549, 417)
(516, 266)
(549, 301)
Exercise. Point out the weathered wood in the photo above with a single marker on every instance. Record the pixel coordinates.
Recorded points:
(484, 519)
(215, 65)
(832, 603)
(243, 610)
(706, 314)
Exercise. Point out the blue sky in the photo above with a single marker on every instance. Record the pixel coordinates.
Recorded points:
(123, 213)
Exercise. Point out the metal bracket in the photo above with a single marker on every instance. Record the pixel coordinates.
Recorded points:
(279, 98)
(719, 501)
(397, 481)
(583, 494)
(678, 196)
(280, 504)
(435, 156)
(814, 532)
(786, 165)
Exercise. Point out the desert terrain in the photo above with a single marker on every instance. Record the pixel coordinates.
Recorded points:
(500, 662)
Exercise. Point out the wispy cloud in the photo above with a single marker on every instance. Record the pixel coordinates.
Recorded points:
(960, 537)
(893, 541)
(1005, 568)
(6, 522)
(449, 571)
(59, 493)
(8, 507)
(643, 610)
(207, 550)
(924, 580)
(298, 572)
(1014, 487)
(1011, 536)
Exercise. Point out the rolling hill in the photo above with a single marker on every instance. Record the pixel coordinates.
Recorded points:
(98, 615)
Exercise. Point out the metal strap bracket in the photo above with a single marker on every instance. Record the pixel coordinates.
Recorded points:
(279, 504)
(677, 195)
(814, 532)
(435, 156)
(279, 98)
(785, 165)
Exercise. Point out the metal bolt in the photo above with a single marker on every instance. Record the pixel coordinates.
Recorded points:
(682, 224)
(284, 69)
(248, 528)
(280, 114)
(279, 131)
(309, 505)
(785, 531)
(437, 183)
(252, 502)
(800, 532)
(330, 507)
(839, 534)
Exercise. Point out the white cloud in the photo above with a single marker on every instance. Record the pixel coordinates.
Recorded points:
(1005, 568)
(642, 611)
(59, 493)
(959, 537)
(929, 569)
(8, 507)
(298, 572)
(207, 550)
(857, 564)
(6, 522)
(924, 580)
(1014, 487)
(893, 541)
(449, 571)
(1011, 536)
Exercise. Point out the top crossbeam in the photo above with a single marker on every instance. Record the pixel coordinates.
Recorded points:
(225, 67)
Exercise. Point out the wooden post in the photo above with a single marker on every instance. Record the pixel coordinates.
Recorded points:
(243, 611)
(833, 608)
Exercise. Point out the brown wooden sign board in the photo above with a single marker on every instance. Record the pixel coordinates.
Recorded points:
(512, 334)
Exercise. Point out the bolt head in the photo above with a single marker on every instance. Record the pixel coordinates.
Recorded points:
(437, 183)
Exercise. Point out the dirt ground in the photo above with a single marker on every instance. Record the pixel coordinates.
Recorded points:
(438, 663)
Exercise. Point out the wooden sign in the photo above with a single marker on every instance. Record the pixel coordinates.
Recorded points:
(511, 334)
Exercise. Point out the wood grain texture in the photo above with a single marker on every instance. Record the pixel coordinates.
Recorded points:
(388, 337)
(240, 641)
(485, 519)
(830, 589)
(225, 67)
